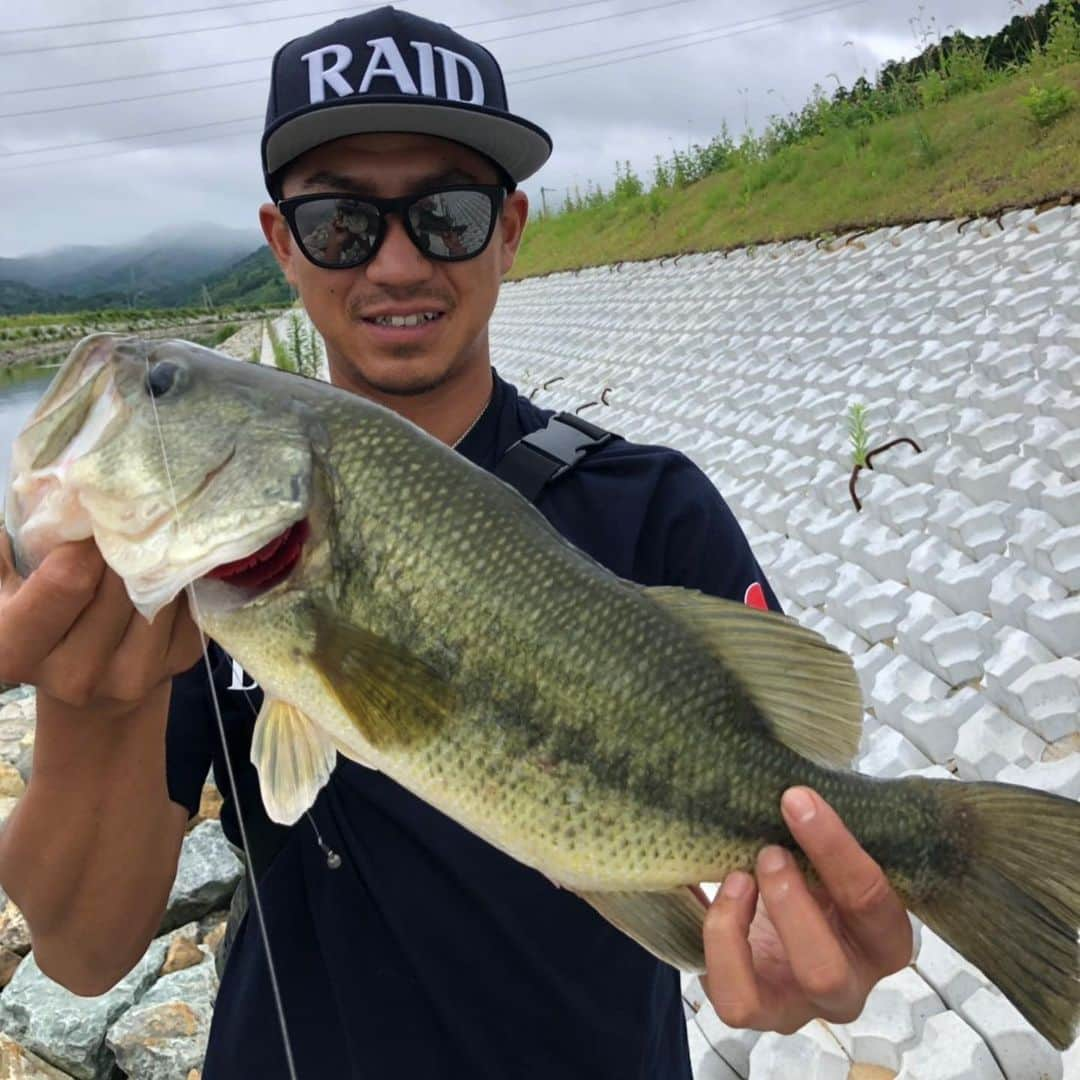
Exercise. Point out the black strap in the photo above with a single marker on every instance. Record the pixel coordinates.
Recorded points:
(542, 456)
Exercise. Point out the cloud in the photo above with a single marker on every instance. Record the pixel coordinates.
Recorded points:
(631, 110)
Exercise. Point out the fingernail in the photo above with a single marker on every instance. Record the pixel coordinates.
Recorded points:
(772, 859)
(798, 803)
(736, 885)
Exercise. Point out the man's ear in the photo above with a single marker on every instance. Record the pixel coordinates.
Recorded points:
(515, 213)
(276, 230)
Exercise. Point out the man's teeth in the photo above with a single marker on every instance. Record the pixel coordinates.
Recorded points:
(406, 320)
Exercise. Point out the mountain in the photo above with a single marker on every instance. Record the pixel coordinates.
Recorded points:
(160, 270)
(255, 279)
(42, 271)
(16, 297)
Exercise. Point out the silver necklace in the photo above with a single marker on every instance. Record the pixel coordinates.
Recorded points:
(461, 438)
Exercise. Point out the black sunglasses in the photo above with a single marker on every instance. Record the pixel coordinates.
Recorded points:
(338, 232)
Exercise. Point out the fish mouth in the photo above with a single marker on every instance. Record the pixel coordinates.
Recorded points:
(270, 565)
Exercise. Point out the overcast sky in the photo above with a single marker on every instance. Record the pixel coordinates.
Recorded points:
(632, 109)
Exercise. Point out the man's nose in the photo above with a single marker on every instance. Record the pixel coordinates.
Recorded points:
(398, 260)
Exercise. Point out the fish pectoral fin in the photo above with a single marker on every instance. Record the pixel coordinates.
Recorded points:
(805, 688)
(293, 758)
(669, 924)
(393, 698)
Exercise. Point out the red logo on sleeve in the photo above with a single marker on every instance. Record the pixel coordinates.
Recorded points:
(755, 597)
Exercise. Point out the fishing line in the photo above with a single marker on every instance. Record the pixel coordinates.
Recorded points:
(333, 859)
(190, 590)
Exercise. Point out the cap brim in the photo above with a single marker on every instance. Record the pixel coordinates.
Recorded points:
(518, 146)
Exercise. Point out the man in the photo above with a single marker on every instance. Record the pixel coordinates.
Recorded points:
(403, 945)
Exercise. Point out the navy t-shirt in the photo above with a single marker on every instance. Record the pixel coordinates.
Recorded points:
(428, 952)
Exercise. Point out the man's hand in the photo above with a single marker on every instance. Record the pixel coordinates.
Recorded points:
(89, 853)
(779, 954)
(71, 630)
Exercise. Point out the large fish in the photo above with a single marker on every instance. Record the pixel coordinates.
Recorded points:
(409, 610)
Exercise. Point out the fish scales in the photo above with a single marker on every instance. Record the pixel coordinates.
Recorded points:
(573, 758)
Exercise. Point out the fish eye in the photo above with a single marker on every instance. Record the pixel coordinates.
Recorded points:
(161, 378)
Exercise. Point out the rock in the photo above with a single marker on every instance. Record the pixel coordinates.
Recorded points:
(11, 783)
(25, 761)
(214, 938)
(68, 1030)
(209, 807)
(164, 1036)
(19, 692)
(7, 804)
(18, 710)
(14, 933)
(209, 924)
(182, 954)
(9, 961)
(17, 1063)
(206, 877)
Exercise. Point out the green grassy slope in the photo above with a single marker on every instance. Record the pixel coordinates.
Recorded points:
(968, 155)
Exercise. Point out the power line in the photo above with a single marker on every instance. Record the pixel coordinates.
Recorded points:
(245, 132)
(260, 59)
(260, 3)
(584, 22)
(128, 78)
(262, 78)
(138, 97)
(743, 26)
(820, 7)
(137, 18)
(127, 138)
(178, 33)
(702, 41)
(276, 18)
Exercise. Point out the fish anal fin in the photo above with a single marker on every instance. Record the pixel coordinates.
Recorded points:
(293, 758)
(394, 699)
(805, 688)
(669, 924)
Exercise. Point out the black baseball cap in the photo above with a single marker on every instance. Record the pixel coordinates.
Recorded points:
(388, 70)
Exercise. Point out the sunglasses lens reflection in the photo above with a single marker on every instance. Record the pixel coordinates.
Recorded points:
(337, 232)
(452, 224)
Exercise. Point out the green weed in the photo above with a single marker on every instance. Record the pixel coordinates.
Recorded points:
(303, 347)
(928, 151)
(860, 438)
(1048, 103)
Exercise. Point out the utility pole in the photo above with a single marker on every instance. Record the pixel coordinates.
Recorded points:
(543, 200)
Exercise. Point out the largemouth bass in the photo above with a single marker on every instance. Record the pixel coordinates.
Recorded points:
(405, 608)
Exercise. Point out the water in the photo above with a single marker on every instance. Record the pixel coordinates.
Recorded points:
(18, 396)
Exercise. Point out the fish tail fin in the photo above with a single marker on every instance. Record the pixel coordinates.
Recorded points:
(1013, 908)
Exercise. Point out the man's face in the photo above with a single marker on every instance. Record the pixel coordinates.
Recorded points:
(399, 280)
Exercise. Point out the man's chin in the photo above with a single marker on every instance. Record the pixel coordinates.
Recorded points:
(404, 371)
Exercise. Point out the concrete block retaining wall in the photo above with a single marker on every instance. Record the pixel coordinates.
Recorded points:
(956, 588)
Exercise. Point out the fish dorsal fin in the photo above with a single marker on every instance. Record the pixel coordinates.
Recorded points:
(804, 687)
(293, 758)
(669, 924)
(395, 699)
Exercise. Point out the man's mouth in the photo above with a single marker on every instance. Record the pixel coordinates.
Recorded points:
(419, 318)
(272, 563)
